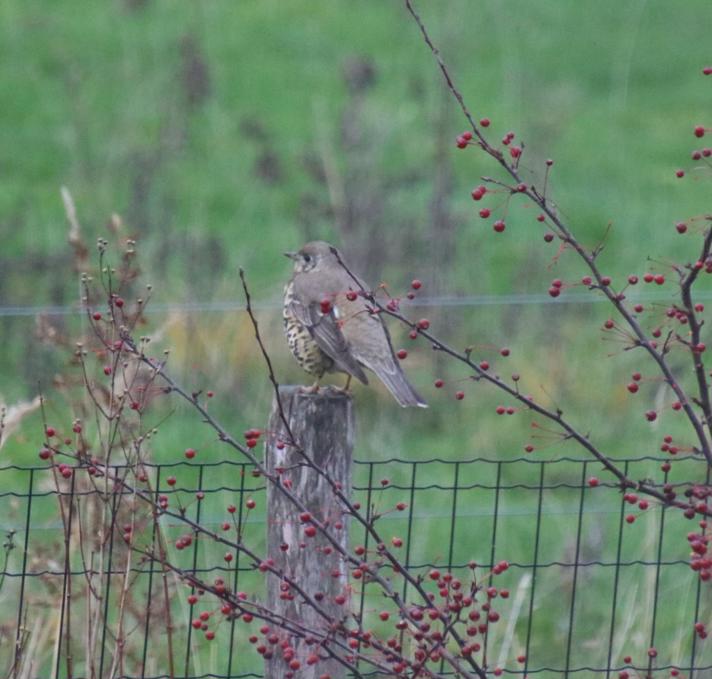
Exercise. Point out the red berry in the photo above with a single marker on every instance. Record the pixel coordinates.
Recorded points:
(310, 531)
(504, 351)
(423, 324)
(632, 279)
(699, 131)
(351, 295)
(485, 212)
(402, 354)
(499, 226)
(500, 410)
(633, 387)
(96, 316)
(50, 431)
(250, 504)
(439, 383)
(466, 135)
(478, 192)
(485, 122)
(586, 280)
(325, 305)
(651, 416)
(210, 635)
(681, 227)
(630, 518)
(680, 174)
(554, 292)
(119, 302)
(484, 365)
(416, 284)
(541, 218)
(459, 395)
(384, 615)
(593, 482)
(190, 453)
(548, 237)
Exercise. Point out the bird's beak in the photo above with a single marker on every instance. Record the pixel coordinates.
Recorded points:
(291, 255)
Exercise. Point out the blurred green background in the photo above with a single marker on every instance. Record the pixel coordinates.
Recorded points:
(223, 133)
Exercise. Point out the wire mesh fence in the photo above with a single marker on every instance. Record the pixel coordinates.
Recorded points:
(589, 594)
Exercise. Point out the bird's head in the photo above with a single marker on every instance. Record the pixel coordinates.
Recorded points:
(313, 256)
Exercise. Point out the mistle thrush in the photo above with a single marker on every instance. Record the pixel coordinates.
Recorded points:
(331, 328)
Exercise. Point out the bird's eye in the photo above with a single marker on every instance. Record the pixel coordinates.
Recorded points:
(307, 258)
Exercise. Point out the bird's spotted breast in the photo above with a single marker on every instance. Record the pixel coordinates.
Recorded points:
(302, 345)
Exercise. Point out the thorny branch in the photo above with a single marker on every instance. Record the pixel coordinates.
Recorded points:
(589, 258)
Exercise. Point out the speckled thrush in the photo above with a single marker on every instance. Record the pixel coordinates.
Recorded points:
(331, 328)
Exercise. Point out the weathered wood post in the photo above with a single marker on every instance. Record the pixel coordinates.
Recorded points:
(323, 424)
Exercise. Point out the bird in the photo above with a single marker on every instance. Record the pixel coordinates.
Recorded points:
(330, 327)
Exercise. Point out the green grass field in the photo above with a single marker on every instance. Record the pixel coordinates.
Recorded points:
(225, 133)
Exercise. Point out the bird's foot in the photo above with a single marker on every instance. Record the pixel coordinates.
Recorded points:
(314, 389)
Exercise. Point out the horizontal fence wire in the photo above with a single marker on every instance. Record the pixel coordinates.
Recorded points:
(438, 301)
(590, 594)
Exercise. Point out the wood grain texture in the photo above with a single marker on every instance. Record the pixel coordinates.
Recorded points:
(323, 424)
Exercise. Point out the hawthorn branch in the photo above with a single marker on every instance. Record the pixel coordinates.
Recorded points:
(555, 416)
(265, 355)
(695, 329)
(225, 437)
(565, 234)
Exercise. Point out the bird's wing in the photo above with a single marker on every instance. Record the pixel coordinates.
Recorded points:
(371, 346)
(325, 328)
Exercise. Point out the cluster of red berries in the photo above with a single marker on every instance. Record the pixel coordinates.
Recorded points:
(252, 437)
(463, 140)
(701, 558)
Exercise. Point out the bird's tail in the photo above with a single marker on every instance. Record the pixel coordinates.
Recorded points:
(401, 389)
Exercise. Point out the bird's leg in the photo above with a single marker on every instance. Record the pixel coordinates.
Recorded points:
(345, 388)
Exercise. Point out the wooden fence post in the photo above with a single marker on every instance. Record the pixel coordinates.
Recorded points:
(323, 424)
